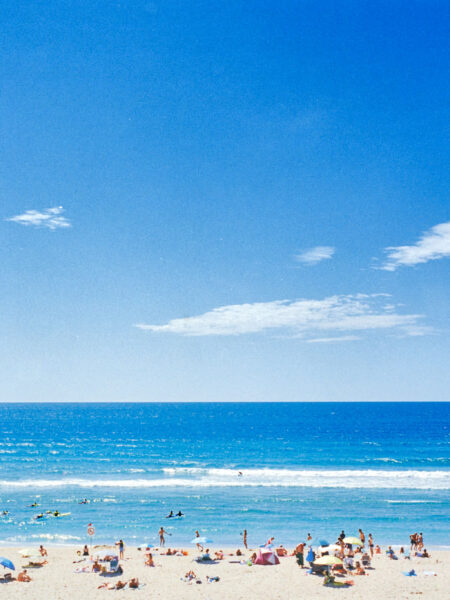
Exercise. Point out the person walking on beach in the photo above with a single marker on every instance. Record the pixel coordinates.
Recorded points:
(162, 539)
(244, 539)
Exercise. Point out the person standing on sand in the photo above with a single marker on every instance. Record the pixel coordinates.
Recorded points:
(199, 546)
(362, 537)
(244, 539)
(371, 544)
(121, 548)
(162, 540)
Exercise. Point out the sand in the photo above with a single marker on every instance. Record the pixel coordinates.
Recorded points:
(57, 580)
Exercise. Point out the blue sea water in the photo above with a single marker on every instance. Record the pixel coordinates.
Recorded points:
(306, 467)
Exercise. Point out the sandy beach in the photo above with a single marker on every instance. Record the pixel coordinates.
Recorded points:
(58, 581)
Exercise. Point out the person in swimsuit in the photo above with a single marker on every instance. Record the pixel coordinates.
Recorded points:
(170, 515)
(179, 514)
(199, 546)
(162, 539)
(371, 544)
(121, 548)
(362, 537)
(244, 539)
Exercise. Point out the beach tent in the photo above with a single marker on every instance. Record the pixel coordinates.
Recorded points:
(266, 557)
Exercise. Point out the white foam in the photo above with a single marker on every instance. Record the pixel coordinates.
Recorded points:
(203, 478)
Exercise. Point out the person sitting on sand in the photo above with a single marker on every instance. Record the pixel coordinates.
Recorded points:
(365, 559)
(359, 569)
(43, 551)
(377, 549)
(96, 567)
(190, 575)
(149, 562)
(85, 551)
(219, 555)
(22, 576)
(133, 583)
(253, 557)
(238, 552)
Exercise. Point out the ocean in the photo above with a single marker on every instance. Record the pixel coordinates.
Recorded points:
(282, 470)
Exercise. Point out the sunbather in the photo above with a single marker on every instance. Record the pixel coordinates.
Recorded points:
(359, 569)
(23, 576)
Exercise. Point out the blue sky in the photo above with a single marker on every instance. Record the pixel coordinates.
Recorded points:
(248, 201)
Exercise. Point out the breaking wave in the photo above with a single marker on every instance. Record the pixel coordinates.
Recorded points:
(204, 478)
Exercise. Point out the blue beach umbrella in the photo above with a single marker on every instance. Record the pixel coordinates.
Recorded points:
(318, 542)
(266, 546)
(5, 562)
(201, 540)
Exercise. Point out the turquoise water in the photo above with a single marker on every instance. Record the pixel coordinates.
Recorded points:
(306, 467)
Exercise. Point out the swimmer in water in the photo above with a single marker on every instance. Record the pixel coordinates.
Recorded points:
(179, 514)
(170, 515)
(56, 513)
(85, 501)
(34, 505)
(41, 516)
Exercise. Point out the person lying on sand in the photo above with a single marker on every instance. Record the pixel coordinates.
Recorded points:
(190, 575)
(23, 576)
(110, 586)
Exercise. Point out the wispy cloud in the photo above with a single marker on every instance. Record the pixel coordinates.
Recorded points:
(300, 318)
(434, 244)
(312, 256)
(328, 340)
(50, 217)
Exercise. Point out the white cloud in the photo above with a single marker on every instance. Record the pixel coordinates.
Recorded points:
(327, 340)
(50, 218)
(314, 255)
(433, 244)
(300, 318)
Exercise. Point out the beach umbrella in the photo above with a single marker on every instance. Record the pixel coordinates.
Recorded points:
(269, 546)
(201, 540)
(353, 540)
(328, 560)
(5, 562)
(322, 542)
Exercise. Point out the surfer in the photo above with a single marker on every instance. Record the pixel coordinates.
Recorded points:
(85, 501)
(41, 516)
(34, 504)
(240, 474)
(5, 512)
(56, 513)
(170, 515)
(179, 514)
